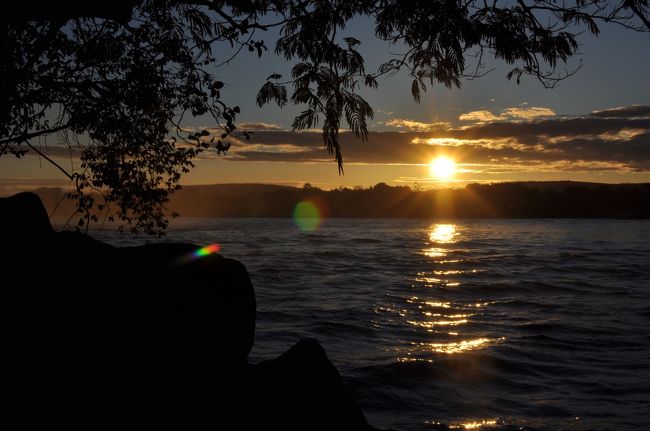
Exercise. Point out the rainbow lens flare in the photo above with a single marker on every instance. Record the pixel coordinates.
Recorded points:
(201, 252)
(308, 214)
(204, 251)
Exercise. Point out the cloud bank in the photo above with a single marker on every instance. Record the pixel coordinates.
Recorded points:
(610, 139)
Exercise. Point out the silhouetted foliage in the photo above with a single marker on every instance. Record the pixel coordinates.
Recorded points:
(564, 199)
(501, 200)
(114, 81)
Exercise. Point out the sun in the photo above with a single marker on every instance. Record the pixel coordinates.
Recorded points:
(442, 167)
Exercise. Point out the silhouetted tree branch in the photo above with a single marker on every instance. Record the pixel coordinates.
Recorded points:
(640, 9)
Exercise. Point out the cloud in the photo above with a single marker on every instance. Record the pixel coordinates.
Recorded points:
(514, 113)
(480, 116)
(634, 111)
(258, 126)
(570, 144)
(527, 113)
(414, 125)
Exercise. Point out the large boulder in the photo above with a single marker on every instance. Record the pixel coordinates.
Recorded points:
(91, 328)
(80, 285)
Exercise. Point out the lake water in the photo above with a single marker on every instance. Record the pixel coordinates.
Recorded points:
(473, 324)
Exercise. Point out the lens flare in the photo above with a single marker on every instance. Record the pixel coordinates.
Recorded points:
(308, 214)
(201, 252)
(204, 251)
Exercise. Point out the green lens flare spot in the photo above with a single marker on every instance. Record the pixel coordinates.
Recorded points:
(307, 216)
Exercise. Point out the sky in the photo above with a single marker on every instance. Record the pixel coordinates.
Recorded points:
(594, 126)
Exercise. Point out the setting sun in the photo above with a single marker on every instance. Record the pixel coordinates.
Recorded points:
(442, 167)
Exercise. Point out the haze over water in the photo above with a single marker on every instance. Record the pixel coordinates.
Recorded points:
(473, 324)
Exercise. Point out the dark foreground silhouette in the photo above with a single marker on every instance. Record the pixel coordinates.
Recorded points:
(144, 336)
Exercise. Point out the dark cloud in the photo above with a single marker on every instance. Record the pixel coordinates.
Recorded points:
(315, 155)
(634, 111)
(551, 128)
(303, 139)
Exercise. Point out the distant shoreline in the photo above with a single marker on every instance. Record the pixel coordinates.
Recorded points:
(536, 200)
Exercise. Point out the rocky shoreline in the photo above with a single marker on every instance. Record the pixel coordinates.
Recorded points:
(144, 336)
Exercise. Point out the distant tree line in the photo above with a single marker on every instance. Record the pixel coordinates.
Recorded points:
(501, 200)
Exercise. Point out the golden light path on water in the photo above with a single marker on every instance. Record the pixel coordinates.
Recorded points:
(437, 317)
(474, 424)
(445, 322)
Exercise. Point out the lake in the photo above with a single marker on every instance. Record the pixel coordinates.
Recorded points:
(491, 324)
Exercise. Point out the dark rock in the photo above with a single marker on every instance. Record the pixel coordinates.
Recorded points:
(303, 390)
(154, 296)
(145, 336)
(24, 214)
(211, 297)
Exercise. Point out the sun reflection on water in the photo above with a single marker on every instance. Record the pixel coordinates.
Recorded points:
(438, 326)
(442, 320)
(449, 348)
(474, 425)
(469, 425)
(437, 323)
(435, 282)
(443, 233)
(438, 304)
(449, 272)
(440, 236)
(458, 347)
(435, 252)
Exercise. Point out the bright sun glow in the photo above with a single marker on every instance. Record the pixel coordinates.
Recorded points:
(442, 167)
